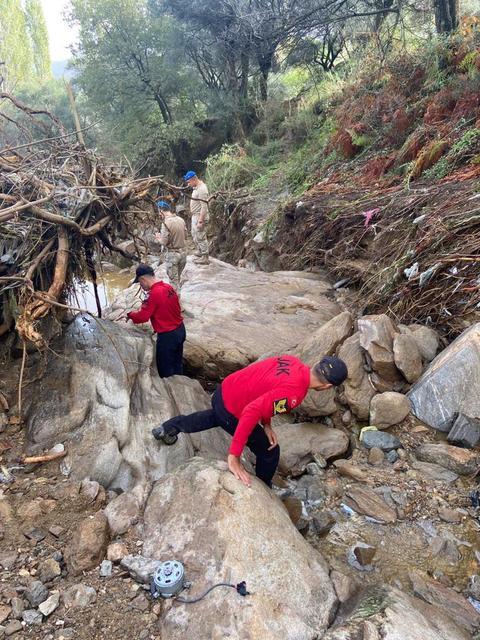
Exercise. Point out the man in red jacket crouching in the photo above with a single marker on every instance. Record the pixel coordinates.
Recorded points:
(248, 399)
(162, 308)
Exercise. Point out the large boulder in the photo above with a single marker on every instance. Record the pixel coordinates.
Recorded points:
(407, 356)
(451, 385)
(102, 397)
(225, 532)
(377, 333)
(358, 389)
(300, 442)
(323, 342)
(234, 316)
(390, 614)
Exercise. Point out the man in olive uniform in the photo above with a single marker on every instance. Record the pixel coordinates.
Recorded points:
(200, 216)
(173, 236)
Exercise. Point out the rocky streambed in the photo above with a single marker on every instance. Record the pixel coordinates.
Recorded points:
(368, 533)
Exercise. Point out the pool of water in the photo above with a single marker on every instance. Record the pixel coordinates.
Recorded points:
(110, 285)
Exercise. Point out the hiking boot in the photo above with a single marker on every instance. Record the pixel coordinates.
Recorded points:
(159, 433)
(202, 260)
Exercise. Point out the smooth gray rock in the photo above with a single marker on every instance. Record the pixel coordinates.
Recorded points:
(215, 509)
(451, 384)
(380, 439)
(103, 396)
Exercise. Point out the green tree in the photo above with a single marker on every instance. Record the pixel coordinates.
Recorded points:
(16, 57)
(37, 29)
(130, 66)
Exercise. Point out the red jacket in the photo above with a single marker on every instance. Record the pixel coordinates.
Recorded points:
(262, 390)
(161, 307)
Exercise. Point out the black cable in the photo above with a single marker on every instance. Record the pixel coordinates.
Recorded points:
(241, 588)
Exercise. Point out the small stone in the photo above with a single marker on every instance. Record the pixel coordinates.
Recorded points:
(347, 417)
(8, 560)
(56, 531)
(106, 569)
(349, 470)
(140, 568)
(370, 631)
(381, 440)
(32, 617)
(89, 489)
(364, 554)
(313, 469)
(14, 626)
(375, 456)
(116, 551)
(88, 545)
(446, 549)
(322, 523)
(79, 596)
(50, 604)
(141, 603)
(450, 515)
(392, 456)
(358, 556)
(465, 432)
(49, 569)
(17, 608)
(36, 593)
(5, 611)
(35, 534)
(320, 460)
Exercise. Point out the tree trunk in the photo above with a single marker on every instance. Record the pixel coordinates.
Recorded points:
(446, 15)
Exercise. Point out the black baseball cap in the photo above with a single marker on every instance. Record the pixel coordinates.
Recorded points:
(332, 369)
(143, 270)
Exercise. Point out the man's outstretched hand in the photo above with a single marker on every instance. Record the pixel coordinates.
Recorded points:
(238, 470)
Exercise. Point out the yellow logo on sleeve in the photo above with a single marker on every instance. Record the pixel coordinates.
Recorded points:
(280, 406)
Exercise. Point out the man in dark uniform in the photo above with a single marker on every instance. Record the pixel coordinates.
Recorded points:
(162, 308)
(248, 399)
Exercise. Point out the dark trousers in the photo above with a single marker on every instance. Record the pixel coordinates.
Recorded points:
(266, 461)
(169, 352)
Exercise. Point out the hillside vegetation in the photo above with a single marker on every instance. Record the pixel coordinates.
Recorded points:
(378, 174)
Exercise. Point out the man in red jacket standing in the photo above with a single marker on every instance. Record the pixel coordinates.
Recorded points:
(162, 308)
(248, 399)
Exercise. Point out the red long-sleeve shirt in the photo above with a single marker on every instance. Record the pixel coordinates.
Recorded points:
(162, 308)
(260, 391)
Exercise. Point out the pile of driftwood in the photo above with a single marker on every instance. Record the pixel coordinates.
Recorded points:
(60, 207)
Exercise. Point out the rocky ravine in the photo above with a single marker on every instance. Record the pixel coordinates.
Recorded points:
(365, 538)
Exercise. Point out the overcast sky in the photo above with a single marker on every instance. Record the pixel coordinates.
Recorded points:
(61, 36)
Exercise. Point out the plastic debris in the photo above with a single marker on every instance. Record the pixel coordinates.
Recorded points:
(426, 275)
(411, 272)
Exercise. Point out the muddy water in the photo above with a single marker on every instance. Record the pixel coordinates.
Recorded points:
(110, 285)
